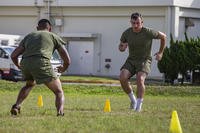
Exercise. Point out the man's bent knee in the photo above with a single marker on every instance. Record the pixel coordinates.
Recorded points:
(55, 86)
(124, 75)
(59, 91)
(30, 83)
(123, 78)
(140, 79)
(141, 76)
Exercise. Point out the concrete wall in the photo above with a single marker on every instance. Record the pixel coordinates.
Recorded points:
(110, 23)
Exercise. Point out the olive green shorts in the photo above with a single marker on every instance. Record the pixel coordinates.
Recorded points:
(137, 66)
(38, 69)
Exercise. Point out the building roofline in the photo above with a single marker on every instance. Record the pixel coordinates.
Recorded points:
(103, 3)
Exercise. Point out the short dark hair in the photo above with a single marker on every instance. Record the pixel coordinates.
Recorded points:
(136, 15)
(44, 22)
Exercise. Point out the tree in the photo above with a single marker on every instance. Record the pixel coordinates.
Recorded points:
(179, 58)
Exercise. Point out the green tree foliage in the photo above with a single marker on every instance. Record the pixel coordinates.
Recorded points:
(179, 58)
(193, 52)
(168, 64)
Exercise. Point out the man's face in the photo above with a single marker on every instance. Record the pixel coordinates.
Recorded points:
(137, 24)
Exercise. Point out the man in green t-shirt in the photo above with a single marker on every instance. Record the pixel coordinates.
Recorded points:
(139, 41)
(36, 50)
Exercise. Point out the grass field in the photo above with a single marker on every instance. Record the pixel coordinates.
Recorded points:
(84, 110)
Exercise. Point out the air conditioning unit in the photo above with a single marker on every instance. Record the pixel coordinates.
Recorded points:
(189, 22)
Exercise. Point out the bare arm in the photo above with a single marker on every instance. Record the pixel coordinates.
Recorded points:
(15, 54)
(162, 38)
(65, 57)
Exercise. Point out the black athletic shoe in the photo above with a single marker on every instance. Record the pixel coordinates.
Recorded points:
(15, 110)
(60, 114)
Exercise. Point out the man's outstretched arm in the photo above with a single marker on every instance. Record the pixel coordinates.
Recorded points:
(65, 57)
(162, 38)
(15, 54)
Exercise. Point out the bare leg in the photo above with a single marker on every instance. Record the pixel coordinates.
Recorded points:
(56, 87)
(140, 79)
(124, 80)
(23, 93)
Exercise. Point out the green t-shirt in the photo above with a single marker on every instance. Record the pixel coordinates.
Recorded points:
(40, 44)
(139, 43)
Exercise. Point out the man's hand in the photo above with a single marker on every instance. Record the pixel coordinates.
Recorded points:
(61, 69)
(123, 46)
(158, 56)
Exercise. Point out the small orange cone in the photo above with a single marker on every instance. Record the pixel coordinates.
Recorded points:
(40, 101)
(107, 107)
(175, 126)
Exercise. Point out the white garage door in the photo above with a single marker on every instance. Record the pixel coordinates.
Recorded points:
(81, 53)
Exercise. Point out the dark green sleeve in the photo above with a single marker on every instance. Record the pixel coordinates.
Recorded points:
(58, 42)
(123, 37)
(153, 34)
(22, 43)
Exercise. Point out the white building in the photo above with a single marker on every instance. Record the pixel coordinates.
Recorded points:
(94, 27)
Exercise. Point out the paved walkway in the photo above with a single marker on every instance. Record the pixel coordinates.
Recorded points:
(97, 84)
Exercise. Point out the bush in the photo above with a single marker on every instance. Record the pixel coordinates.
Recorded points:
(179, 58)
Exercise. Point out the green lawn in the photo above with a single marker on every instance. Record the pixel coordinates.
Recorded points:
(84, 110)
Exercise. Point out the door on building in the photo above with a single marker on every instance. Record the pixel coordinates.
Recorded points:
(81, 53)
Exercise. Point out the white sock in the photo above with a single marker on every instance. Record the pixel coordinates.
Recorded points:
(132, 97)
(139, 104)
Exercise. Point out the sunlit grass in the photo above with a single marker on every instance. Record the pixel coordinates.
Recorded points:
(84, 110)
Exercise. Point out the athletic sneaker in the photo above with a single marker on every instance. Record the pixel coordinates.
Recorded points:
(133, 105)
(138, 109)
(139, 105)
(60, 114)
(15, 110)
